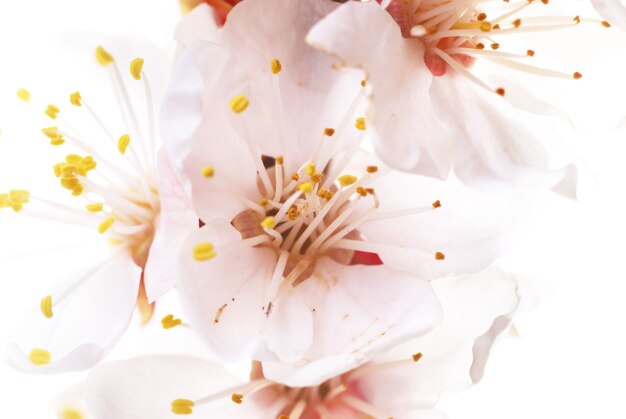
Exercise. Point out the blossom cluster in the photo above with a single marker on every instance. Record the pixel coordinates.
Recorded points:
(325, 186)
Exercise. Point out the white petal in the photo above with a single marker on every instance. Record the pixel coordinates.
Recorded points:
(224, 297)
(358, 311)
(404, 129)
(198, 24)
(85, 326)
(145, 387)
(613, 10)
(71, 401)
(289, 330)
(177, 218)
(471, 228)
(454, 353)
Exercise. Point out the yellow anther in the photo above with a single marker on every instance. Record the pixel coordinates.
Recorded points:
(103, 57)
(57, 141)
(306, 187)
(71, 413)
(483, 26)
(309, 169)
(316, 177)
(280, 160)
(417, 356)
(208, 171)
(268, 222)
(440, 256)
(203, 252)
(239, 103)
(606, 24)
(360, 124)
(14, 199)
(283, 417)
(105, 225)
(169, 322)
(23, 94)
(52, 111)
(437, 204)
(46, 306)
(76, 99)
(371, 169)
(347, 180)
(95, 207)
(51, 132)
(122, 143)
(182, 406)
(276, 66)
(263, 202)
(329, 132)
(517, 23)
(295, 177)
(363, 83)
(577, 76)
(237, 398)
(39, 357)
(136, 66)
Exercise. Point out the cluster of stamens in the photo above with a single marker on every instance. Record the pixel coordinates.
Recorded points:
(456, 32)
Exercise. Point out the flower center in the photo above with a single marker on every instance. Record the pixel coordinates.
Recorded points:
(457, 32)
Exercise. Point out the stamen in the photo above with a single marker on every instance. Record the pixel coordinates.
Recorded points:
(46, 306)
(136, 66)
(23, 94)
(439, 256)
(123, 143)
(103, 57)
(169, 322)
(182, 407)
(276, 66)
(203, 252)
(105, 225)
(239, 103)
(76, 99)
(360, 124)
(52, 111)
(208, 171)
(39, 357)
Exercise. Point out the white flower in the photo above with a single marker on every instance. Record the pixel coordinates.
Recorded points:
(110, 171)
(269, 137)
(404, 384)
(434, 107)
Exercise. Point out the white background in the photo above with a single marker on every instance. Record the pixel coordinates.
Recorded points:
(568, 358)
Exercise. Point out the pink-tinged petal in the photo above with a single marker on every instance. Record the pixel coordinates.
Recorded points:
(613, 10)
(177, 218)
(405, 130)
(497, 138)
(289, 330)
(225, 296)
(477, 309)
(145, 388)
(85, 325)
(470, 228)
(358, 312)
(309, 94)
(199, 24)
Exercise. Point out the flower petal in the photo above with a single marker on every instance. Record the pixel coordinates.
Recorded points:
(363, 35)
(358, 312)
(471, 228)
(145, 388)
(177, 218)
(613, 10)
(455, 352)
(85, 326)
(225, 297)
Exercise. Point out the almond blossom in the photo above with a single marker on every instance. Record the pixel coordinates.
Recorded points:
(110, 181)
(270, 138)
(405, 383)
(442, 95)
